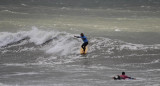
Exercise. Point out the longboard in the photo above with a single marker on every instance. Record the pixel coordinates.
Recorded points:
(82, 51)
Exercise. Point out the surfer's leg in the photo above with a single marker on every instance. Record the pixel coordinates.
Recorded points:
(83, 46)
(117, 77)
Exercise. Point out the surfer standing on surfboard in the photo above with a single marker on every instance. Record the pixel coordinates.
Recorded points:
(84, 38)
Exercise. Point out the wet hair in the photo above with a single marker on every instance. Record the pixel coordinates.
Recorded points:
(82, 34)
(123, 73)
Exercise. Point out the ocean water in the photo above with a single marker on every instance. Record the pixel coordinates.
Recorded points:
(38, 48)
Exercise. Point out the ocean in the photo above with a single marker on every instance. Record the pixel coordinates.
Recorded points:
(38, 47)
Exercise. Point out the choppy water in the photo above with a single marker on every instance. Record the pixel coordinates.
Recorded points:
(38, 48)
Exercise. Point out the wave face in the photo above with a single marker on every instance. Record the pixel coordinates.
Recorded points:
(65, 43)
(35, 54)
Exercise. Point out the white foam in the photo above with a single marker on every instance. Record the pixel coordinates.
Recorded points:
(9, 11)
(38, 36)
(4, 51)
(27, 49)
(98, 43)
(108, 46)
(7, 38)
(63, 43)
(99, 67)
(117, 30)
(131, 46)
(14, 64)
(151, 70)
(27, 73)
(155, 61)
(63, 47)
(23, 4)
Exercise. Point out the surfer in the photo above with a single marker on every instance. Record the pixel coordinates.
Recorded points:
(122, 77)
(84, 38)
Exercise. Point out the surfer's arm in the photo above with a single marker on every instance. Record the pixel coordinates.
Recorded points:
(77, 36)
(131, 78)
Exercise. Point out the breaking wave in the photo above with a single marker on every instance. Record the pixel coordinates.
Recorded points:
(63, 43)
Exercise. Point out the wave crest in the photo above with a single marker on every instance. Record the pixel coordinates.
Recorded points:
(63, 43)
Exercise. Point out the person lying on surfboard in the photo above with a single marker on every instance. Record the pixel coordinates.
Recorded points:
(122, 77)
(84, 38)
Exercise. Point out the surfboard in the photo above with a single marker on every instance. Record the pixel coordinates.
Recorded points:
(82, 51)
(118, 78)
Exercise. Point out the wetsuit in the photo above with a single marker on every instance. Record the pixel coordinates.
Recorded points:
(84, 38)
(124, 76)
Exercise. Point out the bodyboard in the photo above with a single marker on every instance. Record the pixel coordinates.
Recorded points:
(82, 52)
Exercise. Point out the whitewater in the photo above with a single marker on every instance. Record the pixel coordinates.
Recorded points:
(46, 58)
(38, 47)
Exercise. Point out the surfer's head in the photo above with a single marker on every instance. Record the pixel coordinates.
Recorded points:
(123, 73)
(82, 34)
